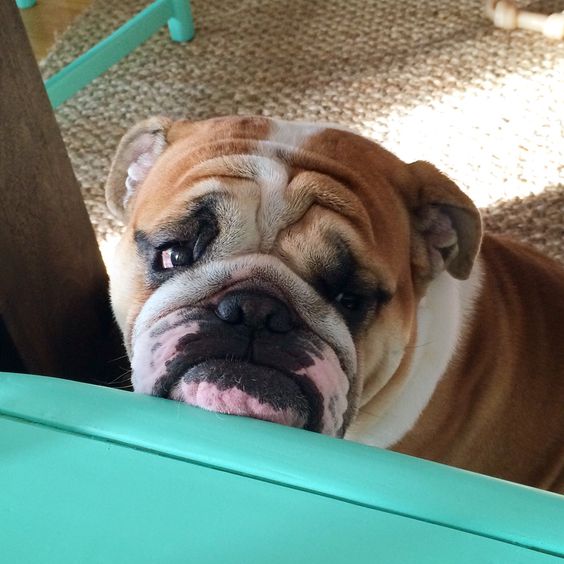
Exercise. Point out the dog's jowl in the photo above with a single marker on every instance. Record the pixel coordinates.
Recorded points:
(302, 274)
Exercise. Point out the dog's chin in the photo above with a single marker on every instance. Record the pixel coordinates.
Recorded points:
(243, 388)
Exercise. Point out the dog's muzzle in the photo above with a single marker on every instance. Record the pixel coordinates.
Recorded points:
(244, 352)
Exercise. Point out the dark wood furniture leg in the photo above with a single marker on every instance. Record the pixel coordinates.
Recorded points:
(55, 317)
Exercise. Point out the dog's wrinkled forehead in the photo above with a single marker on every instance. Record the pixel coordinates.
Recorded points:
(274, 171)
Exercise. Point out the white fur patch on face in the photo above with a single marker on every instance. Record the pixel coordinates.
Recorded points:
(271, 177)
(293, 134)
(296, 133)
(257, 210)
(442, 317)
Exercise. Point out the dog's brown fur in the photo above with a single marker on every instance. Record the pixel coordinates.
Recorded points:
(499, 406)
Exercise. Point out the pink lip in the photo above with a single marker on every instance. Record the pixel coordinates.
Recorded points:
(234, 401)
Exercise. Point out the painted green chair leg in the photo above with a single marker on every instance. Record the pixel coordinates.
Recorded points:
(110, 50)
(181, 25)
(23, 4)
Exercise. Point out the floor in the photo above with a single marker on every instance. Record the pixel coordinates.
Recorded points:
(48, 19)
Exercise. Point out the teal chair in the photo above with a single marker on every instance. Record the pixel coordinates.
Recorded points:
(175, 13)
(91, 474)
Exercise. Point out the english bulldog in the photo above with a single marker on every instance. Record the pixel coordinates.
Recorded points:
(302, 274)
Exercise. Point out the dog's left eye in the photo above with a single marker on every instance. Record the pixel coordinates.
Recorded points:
(348, 300)
(176, 255)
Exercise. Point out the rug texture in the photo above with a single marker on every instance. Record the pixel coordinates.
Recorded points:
(428, 80)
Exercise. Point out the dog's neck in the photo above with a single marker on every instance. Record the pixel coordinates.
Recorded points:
(442, 317)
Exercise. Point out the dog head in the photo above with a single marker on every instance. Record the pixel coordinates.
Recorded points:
(273, 269)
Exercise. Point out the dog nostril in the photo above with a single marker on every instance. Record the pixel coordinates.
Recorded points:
(280, 321)
(255, 310)
(230, 311)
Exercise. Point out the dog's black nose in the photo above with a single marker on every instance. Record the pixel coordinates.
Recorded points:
(255, 310)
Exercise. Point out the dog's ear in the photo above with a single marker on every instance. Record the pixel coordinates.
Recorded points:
(136, 154)
(446, 225)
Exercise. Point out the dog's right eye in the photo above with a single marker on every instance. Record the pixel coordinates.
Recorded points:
(186, 253)
(176, 255)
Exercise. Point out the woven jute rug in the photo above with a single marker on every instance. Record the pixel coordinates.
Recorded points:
(428, 80)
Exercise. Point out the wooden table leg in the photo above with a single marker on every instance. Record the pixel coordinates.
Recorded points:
(54, 309)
